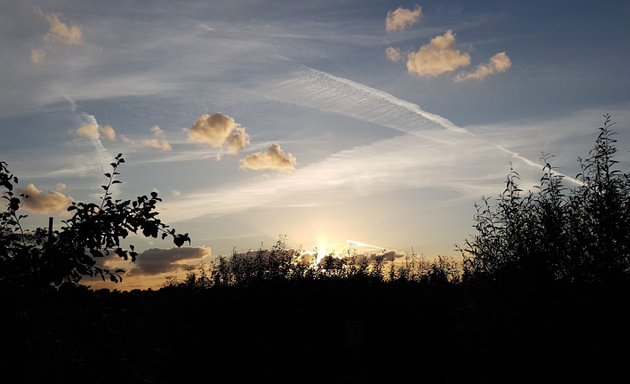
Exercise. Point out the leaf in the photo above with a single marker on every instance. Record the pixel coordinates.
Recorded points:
(116, 182)
(108, 174)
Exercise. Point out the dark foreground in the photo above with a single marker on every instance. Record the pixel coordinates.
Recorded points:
(319, 331)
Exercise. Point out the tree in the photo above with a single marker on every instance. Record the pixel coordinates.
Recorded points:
(549, 235)
(39, 258)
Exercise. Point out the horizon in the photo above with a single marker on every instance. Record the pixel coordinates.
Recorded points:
(372, 124)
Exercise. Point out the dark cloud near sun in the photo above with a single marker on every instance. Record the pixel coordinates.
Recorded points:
(156, 260)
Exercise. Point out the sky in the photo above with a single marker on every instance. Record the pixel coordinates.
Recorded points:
(366, 125)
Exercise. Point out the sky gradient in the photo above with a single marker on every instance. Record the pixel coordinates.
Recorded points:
(340, 124)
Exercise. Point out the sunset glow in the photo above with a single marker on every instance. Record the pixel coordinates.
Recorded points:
(377, 121)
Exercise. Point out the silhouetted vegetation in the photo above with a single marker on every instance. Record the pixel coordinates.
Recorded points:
(541, 296)
(42, 257)
(577, 235)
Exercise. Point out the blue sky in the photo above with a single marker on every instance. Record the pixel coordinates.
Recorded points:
(259, 118)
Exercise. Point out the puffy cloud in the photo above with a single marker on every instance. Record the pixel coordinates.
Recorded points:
(158, 142)
(401, 18)
(218, 130)
(157, 131)
(60, 186)
(107, 131)
(438, 57)
(393, 54)
(44, 202)
(176, 193)
(59, 33)
(161, 144)
(95, 131)
(237, 141)
(155, 261)
(272, 158)
(498, 63)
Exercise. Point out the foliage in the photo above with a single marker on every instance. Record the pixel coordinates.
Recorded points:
(551, 235)
(39, 258)
(280, 264)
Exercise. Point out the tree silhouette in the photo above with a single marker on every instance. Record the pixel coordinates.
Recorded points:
(549, 235)
(39, 258)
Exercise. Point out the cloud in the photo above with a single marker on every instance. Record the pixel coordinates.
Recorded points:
(401, 18)
(44, 202)
(176, 193)
(161, 144)
(155, 260)
(158, 142)
(157, 131)
(272, 158)
(218, 130)
(60, 186)
(393, 54)
(438, 57)
(237, 141)
(498, 63)
(59, 33)
(38, 55)
(95, 131)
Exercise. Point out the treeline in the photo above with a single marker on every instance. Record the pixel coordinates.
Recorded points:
(541, 296)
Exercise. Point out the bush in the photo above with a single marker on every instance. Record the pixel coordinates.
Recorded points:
(39, 258)
(551, 235)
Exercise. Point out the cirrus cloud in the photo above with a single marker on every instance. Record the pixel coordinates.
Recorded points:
(438, 57)
(401, 18)
(44, 202)
(273, 158)
(218, 130)
(498, 63)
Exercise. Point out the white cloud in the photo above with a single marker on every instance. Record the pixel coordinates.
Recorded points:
(498, 63)
(61, 187)
(273, 158)
(218, 130)
(157, 131)
(59, 33)
(393, 54)
(402, 18)
(438, 57)
(237, 141)
(161, 144)
(44, 202)
(176, 193)
(95, 131)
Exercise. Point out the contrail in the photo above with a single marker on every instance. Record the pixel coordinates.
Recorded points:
(311, 87)
(362, 244)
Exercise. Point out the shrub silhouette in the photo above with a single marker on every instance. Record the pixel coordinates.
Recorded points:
(555, 233)
(38, 258)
